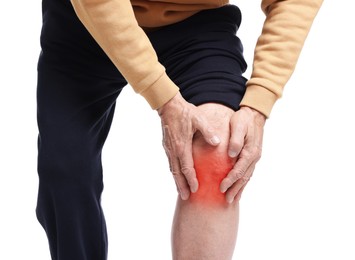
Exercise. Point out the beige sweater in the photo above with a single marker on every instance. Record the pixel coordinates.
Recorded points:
(117, 27)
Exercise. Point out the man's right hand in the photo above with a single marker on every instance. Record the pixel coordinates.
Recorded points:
(180, 120)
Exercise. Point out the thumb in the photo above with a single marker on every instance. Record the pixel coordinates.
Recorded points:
(207, 131)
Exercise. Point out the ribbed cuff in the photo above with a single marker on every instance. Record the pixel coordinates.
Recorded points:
(160, 92)
(260, 99)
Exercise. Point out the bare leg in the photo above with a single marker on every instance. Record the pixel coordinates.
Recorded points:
(205, 226)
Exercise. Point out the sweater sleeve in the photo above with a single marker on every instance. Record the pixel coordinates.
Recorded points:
(113, 25)
(277, 50)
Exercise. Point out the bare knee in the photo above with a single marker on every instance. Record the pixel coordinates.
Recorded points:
(212, 164)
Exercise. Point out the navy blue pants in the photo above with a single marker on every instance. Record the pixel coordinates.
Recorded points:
(76, 95)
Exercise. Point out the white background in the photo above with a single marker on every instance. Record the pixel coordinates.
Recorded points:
(299, 204)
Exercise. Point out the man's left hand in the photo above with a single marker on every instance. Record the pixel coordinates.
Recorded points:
(245, 144)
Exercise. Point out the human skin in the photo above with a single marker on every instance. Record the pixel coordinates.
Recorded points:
(205, 226)
(181, 120)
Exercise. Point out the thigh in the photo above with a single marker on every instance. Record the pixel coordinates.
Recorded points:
(204, 56)
(74, 114)
(68, 96)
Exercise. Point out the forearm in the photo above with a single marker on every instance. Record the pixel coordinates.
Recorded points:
(113, 25)
(285, 29)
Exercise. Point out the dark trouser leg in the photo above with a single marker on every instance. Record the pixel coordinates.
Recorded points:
(74, 116)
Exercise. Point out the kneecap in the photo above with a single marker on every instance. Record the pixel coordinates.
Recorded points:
(211, 166)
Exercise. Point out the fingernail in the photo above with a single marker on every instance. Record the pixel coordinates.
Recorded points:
(230, 200)
(223, 189)
(194, 188)
(215, 140)
(184, 195)
(232, 154)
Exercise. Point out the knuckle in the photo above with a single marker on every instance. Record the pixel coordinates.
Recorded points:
(179, 148)
(257, 157)
(175, 173)
(259, 153)
(239, 174)
(248, 156)
(198, 119)
(236, 174)
(166, 144)
(167, 153)
(236, 144)
(245, 179)
(171, 169)
(256, 152)
(187, 171)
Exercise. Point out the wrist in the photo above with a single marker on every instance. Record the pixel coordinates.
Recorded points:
(176, 101)
(256, 114)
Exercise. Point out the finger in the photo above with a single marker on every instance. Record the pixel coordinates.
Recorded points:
(239, 194)
(166, 139)
(187, 169)
(167, 145)
(182, 185)
(238, 171)
(180, 181)
(237, 139)
(208, 132)
(238, 187)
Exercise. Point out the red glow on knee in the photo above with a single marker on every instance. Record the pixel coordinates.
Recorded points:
(211, 167)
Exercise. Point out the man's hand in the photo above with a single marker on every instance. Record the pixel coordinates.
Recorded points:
(245, 144)
(180, 120)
